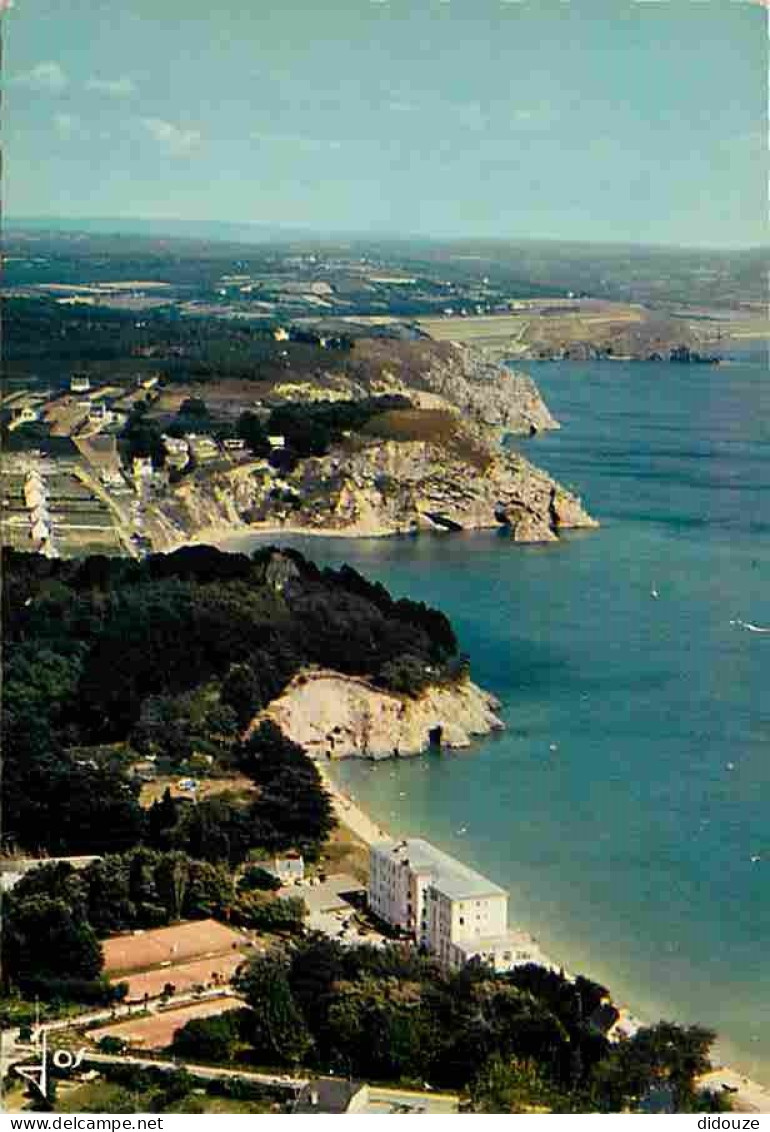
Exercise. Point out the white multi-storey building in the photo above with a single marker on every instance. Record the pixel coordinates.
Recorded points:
(448, 908)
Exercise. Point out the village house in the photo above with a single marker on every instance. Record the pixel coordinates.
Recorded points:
(289, 868)
(177, 452)
(202, 448)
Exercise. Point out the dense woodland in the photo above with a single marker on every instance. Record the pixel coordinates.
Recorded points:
(108, 659)
(513, 1042)
(111, 661)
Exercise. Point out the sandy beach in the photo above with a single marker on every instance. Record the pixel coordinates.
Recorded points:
(349, 813)
(745, 1095)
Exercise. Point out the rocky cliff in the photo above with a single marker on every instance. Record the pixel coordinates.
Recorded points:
(336, 716)
(380, 488)
(437, 466)
(470, 380)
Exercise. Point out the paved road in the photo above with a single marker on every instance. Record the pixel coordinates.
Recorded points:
(13, 1051)
(208, 1072)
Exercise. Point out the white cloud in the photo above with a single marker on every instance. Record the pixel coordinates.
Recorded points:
(45, 76)
(121, 87)
(174, 139)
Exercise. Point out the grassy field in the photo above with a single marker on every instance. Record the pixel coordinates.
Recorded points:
(475, 327)
(345, 853)
(537, 325)
(103, 1096)
(434, 426)
(207, 788)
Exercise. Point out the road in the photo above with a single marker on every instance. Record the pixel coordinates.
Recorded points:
(13, 1051)
(207, 1072)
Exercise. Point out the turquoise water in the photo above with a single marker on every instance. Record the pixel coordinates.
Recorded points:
(627, 850)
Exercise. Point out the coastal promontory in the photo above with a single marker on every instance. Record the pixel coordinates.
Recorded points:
(403, 437)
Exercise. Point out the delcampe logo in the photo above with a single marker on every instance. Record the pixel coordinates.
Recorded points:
(37, 1072)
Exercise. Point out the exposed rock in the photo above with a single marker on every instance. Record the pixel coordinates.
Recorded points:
(387, 487)
(471, 380)
(440, 468)
(489, 393)
(336, 716)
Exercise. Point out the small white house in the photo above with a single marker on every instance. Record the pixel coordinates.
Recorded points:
(80, 383)
(277, 442)
(289, 869)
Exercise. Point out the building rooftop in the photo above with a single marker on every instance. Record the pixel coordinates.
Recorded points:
(322, 1095)
(448, 875)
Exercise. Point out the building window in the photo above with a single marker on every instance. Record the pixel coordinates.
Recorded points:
(462, 920)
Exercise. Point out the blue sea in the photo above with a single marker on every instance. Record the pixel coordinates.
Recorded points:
(625, 801)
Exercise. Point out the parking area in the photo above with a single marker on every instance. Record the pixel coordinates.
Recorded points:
(333, 908)
(399, 1101)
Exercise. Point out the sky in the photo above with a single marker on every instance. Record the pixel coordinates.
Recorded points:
(594, 120)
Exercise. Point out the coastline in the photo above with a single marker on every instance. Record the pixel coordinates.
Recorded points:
(222, 534)
(748, 1096)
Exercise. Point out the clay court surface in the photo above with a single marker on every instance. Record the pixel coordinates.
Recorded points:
(196, 940)
(156, 1031)
(214, 971)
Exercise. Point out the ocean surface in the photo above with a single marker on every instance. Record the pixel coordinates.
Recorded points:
(624, 803)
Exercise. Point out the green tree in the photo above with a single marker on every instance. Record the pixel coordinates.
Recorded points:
(510, 1086)
(279, 1030)
(210, 1039)
(662, 1055)
(268, 913)
(44, 939)
(251, 430)
(255, 877)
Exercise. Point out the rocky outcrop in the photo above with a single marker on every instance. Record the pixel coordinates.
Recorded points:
(439, 467)
(470, 380)
(336, 716)
(490, 394)
(385, 487)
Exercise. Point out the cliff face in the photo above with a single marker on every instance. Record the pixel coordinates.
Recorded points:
(337, 716)
(470, 380)
(383, 488)
(440, 466)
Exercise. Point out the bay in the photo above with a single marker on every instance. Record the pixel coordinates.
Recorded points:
(626, 805)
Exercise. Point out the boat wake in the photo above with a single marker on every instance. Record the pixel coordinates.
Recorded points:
(751, 628)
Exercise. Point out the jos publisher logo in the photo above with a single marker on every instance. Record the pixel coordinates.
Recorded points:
(36, 1072)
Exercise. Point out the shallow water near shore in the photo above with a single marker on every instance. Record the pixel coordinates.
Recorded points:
(624, 803)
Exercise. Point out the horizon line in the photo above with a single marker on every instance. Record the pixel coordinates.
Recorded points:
(282, 228)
